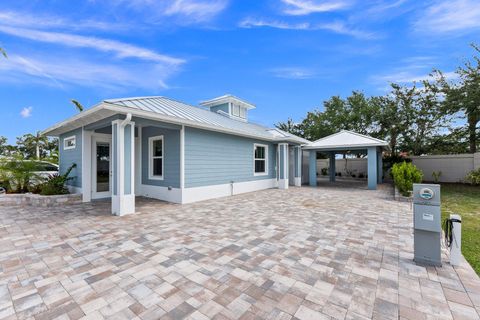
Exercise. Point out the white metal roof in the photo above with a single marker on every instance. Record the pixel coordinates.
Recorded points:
(228, 98)
(171, 111)
(345, 140)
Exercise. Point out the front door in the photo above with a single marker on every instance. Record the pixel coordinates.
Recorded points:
(101, 168)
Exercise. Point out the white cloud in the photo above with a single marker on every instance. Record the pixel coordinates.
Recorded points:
(120, 49)
(305, 7)
(197, 11)
(40, 21)
(63, 71)
(448, 16)
(26, 112)
(295, 73)
(186, 12)
(336, 27)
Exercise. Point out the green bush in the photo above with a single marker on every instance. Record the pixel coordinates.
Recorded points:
(404, 176)
(473, 177)
(56, 183)
(18, 175)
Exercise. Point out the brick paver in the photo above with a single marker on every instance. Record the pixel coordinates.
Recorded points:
(301, 253)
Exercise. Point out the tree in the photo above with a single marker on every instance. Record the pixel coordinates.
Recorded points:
(78, 105)
(3, 145)
(289, 126)
(33, 145)
(463, 95)
(3, 52)
(394, 114)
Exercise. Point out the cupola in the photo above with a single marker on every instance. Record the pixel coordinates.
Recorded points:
(229, 106)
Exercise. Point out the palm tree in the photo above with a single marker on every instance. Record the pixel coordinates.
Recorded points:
(30, 144)
(3, 52)
(78, 105)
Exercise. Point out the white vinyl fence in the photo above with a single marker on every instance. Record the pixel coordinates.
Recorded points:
(453, 168)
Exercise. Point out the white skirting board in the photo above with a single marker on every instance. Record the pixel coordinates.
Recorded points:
(195, 194)
(74, 190)
(122, 205)
(161, 193)
(223, 190)
(298, 181)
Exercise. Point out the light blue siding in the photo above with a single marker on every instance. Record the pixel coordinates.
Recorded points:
(171, 156)
(213, 158)
(221, 107)
(372, 168)
(68, 157)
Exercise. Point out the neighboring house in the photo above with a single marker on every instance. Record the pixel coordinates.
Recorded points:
(165, 149)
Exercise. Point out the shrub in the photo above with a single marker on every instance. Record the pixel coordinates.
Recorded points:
(56, 183)
(404, 176)
(18, 175)
(473, 177)
(324, 171)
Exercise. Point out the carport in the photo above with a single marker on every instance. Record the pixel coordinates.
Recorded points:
(344, 141)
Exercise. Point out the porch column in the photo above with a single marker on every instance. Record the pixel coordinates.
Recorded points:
(298, 166)
(372, 168)
(379, 166)
(332, 169)
(123, 164)
(312, 168)
(283, 165)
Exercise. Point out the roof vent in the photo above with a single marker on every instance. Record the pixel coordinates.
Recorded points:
(230, 106)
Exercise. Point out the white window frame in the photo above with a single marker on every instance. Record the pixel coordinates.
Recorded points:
(243, 113)
(151, 176)
(255, 145)
(236, 107)
(71, 138)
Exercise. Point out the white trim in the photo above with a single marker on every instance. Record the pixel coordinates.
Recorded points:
(132, 161)
(161, 193)
(150, 157)
(182, 157)
(74, 138)
(298, 181)
(224, 190)
(138, 159)
(86, 165)
(124, 204)
(256, 174)
(93, 166)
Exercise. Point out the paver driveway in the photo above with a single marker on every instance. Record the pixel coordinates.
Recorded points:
(302, 253)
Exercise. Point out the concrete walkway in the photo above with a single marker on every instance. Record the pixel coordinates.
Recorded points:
(302, 253)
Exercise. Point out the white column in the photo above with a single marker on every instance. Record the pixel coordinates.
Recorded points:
(298, 166)
(283, 165)
(123, 157)
(86, 165)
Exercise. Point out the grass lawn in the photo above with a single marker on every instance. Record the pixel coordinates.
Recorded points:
(465, 200)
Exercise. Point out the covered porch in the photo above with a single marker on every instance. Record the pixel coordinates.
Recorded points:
(343, 142)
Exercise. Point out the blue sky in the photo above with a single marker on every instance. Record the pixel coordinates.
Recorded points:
(285, 56)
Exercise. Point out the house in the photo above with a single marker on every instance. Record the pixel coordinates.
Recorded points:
(161, 148)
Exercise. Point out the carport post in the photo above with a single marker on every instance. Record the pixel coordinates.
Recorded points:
(379, 166)
(372, 168)
(312, 168)
(332, 168)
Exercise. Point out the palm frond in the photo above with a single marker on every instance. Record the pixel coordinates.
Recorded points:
(78, 105)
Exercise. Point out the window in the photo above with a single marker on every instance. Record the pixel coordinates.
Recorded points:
(69, 143)
(155, 155)
(236, 110)
(260, 159)
(243, 113)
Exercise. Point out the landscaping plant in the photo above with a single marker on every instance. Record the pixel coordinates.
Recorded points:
(18, 175)
(404, 175)
(473, 177)
(55, 184)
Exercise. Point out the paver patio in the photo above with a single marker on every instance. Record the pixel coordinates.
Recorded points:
(301, 253)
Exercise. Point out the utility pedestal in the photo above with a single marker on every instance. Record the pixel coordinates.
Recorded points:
(427, 224)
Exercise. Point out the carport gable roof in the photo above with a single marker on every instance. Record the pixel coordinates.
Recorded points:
(345, 140)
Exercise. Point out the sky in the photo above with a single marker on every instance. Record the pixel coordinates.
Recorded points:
(284, 56)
